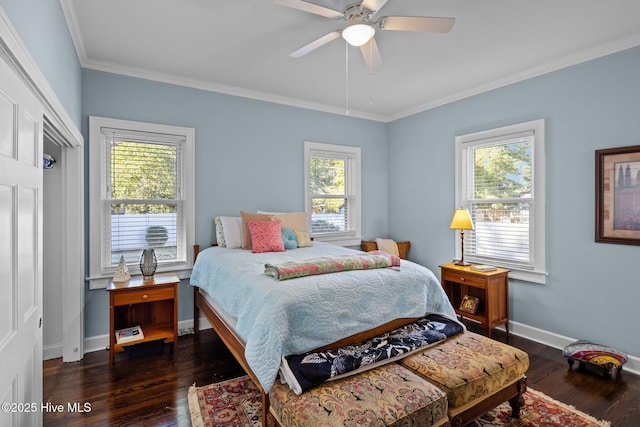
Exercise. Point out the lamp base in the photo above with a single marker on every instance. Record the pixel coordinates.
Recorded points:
(463, 263)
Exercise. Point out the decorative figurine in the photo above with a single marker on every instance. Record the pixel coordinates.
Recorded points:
(122, 273)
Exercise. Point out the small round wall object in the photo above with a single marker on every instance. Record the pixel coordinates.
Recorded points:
(607, 360)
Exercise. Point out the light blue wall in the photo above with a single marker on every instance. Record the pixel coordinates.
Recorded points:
(249, 155)
(593, 289)
(43, 29)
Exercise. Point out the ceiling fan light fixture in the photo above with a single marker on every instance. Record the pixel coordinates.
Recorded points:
(358, 34)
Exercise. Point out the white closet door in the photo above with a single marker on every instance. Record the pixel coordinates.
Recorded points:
(20, 251)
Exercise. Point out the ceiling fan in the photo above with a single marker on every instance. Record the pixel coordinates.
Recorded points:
(362, 25)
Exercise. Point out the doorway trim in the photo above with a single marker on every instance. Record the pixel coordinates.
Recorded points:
(72, 233)
(62, 131)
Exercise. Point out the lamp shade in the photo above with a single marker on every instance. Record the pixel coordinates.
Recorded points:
(461, 220)
(358, 34)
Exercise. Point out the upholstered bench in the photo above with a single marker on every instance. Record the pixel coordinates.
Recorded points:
(389, 395)
(476, 372)
(449, 383)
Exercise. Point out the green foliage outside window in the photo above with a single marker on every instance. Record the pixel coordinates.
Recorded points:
(143, 172)
(327, 179)
(502, 171)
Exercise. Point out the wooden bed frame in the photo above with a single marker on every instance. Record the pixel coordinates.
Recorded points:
(512, 393)
(236, 345)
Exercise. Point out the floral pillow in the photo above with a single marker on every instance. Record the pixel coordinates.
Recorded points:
(219, 232)
(266, 236)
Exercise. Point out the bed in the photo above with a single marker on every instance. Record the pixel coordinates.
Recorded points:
(260, 319)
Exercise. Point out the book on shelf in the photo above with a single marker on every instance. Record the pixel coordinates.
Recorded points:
(126, 335)
(483, 267)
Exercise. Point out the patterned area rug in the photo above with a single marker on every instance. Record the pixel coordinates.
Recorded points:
(230, 403)
(236, 402)
(539, 410)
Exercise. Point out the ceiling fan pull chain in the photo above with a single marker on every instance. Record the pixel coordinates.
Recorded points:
(371, 88)
(346, 77)
(371, 77)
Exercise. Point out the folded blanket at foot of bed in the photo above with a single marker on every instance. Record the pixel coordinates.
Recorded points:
(302, 372)
(323, 265)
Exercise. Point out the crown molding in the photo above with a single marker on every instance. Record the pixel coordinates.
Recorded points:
(224, 89)
(13, 48)
(571, 60)
(575, 59)
(74, 30)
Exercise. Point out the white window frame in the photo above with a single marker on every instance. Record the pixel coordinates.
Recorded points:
(463, 191)
(353, 235)
(100, 275)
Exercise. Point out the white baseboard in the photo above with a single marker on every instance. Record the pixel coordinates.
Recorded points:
(560, 341)
(204, 324)
(540, 336)
(51, 351)
(96, 343)
(101, 342)
(187, 325)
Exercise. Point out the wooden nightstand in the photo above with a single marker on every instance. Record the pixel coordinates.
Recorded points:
(152, 304)
(491, 288)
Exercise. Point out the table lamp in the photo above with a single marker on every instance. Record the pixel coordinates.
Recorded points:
(461, 221)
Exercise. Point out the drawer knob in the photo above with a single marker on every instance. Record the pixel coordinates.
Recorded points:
(145, 296)
(462, 279)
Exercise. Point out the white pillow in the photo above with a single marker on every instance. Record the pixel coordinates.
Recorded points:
(232, 229)
(387, 245)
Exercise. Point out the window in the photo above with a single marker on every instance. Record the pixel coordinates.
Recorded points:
(500, 178)
(332, 192)
(141, 195)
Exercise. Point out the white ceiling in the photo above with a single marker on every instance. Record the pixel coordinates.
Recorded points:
(241, 47)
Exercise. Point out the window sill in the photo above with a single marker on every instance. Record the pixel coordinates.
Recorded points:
(529, 276)
(339, 240)
(101, 282)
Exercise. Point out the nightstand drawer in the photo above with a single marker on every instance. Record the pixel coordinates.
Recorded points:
(142, 295)
(454, 276)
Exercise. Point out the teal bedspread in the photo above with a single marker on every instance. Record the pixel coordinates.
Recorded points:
(281, 318)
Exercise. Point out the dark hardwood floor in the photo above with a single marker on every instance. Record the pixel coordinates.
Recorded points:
(148, 385)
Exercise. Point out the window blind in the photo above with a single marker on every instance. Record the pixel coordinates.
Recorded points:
(330, 198)
(331, 188)
(142, 204)
(501, 201)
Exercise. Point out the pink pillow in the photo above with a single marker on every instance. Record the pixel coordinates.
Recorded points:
(266, 236)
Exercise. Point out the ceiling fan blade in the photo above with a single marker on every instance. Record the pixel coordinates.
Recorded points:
(416, 23)
(315, 44)
(371, 54)
(373, 5)
(309, 7)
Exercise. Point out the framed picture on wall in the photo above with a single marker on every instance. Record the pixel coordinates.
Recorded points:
(618, 195)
